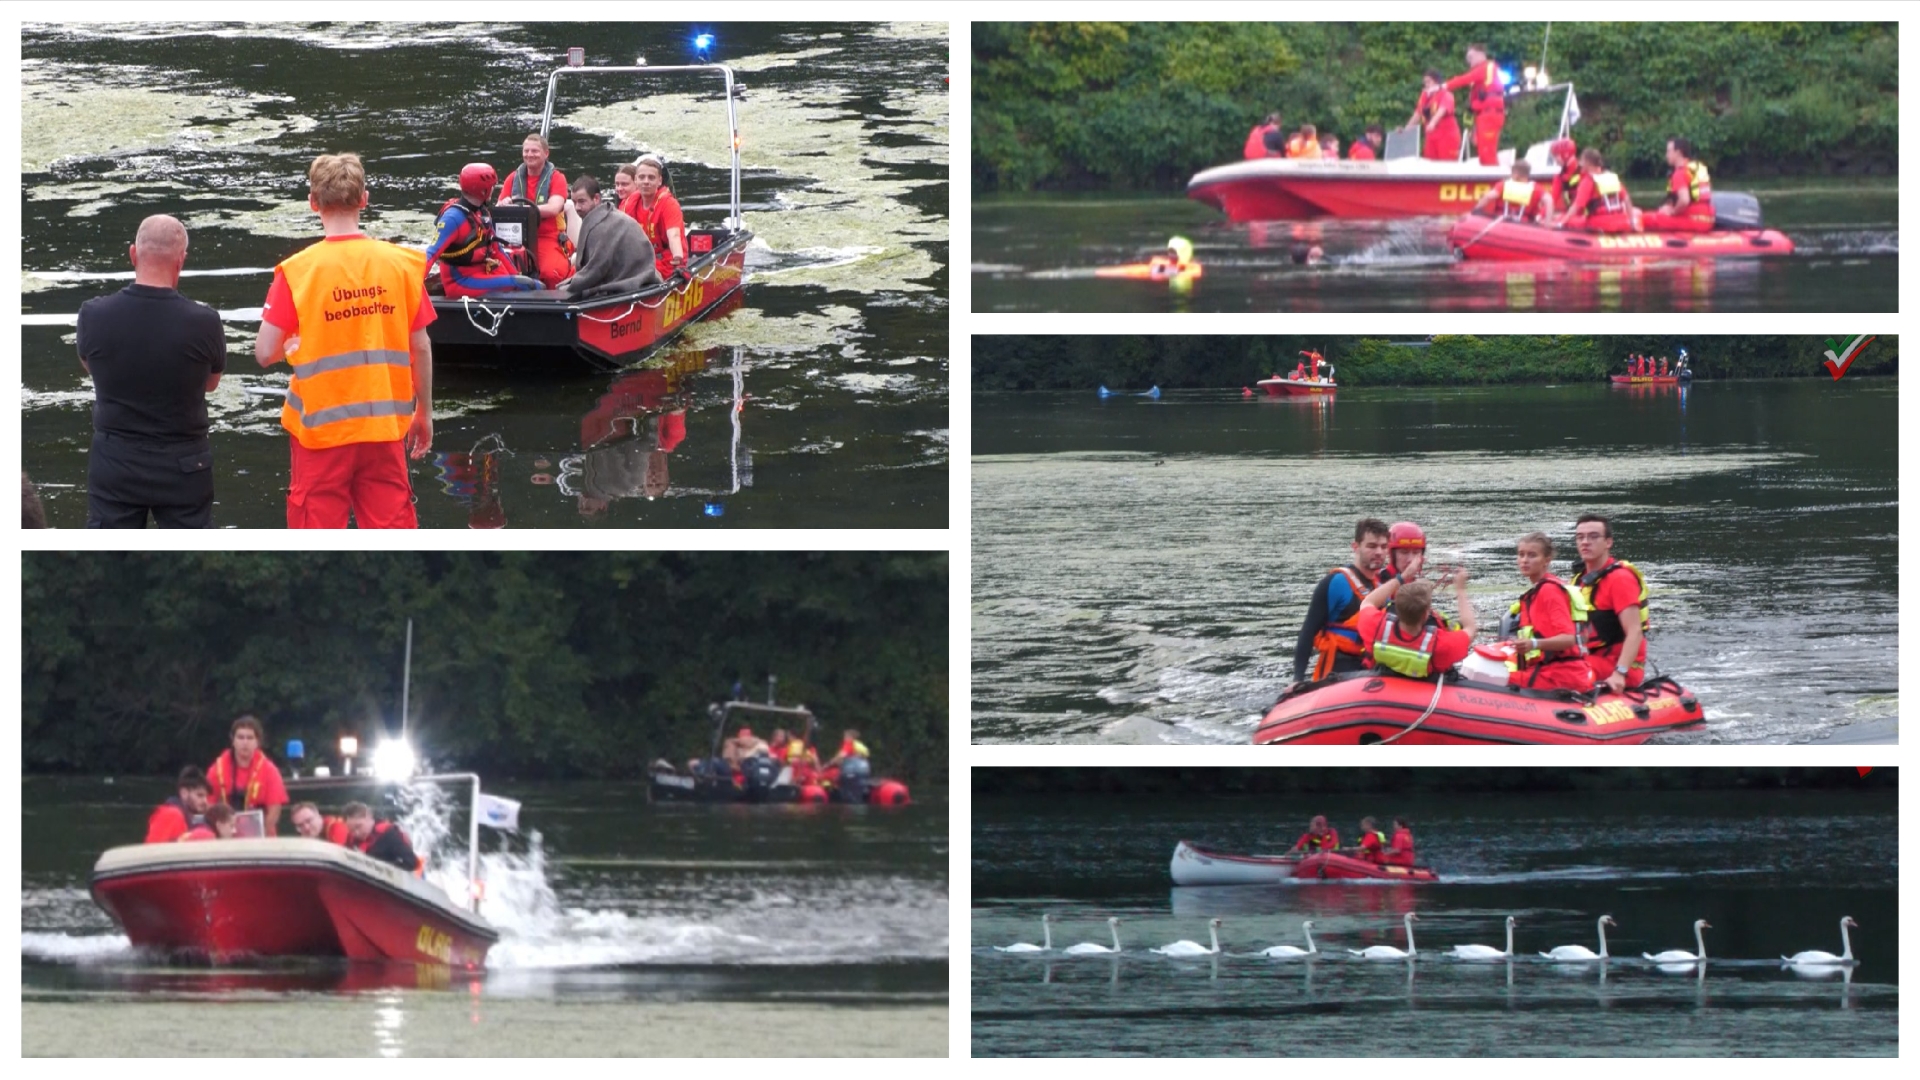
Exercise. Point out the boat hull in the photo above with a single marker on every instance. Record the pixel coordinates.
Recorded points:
(1196, 865)
(606, 332)
(1362, 707)
(223, 900)
(1514, 241)
(1297, 387)
(1644, 380)
(678, 787)
(1278, 189)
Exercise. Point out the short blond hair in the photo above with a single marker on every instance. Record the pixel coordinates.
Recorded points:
(534, 136)
(1414, 601)
(337, 181)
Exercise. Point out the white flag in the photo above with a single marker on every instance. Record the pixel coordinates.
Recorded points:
(1573, 108)
(499, 813)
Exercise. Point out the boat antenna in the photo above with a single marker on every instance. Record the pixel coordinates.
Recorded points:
(772, 681)
(406, 680)
(1544, 38)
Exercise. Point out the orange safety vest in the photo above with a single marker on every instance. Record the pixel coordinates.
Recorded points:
(1329, 644)
(224, 771)
(353, 371)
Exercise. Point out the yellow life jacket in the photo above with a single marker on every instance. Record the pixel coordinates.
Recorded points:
(1699, 184)
(1528, 655)
(1604, 626)
(1606, 185)
(1414, 661)
(1515, 197)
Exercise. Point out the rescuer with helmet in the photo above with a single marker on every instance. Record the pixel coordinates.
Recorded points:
(472, 262)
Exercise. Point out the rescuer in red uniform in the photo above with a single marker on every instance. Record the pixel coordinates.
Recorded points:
(1257, 138)
(1689, 205)
(1373, 845)
(538, 182)
(245, 778)
(310, 823)
(1487, 97)
(1400, 850)
(1517, 198)
(1548, 654)
(172, 819)
(1616, 594)
(1602, 204)
(1369, 146)
(1319, 837)
(1567, 181)
(1433, 113)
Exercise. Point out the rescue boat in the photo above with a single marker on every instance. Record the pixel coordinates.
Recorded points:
(608, 332)
(761, 779)
(1282, 387)
(1480, 238)
(1641, 380)
(1367, 707)
(223, 900)
(1196, 865)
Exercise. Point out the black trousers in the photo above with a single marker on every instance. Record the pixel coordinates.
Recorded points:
(129, 479)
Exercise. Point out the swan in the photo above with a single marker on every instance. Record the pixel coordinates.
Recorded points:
(1682, 956)
(1815, 956)
(1292, 952)
(1046, 931)
(1087, 948)
(1485, 952)
(1192, 948)
(1581, 952)
(1388, 952)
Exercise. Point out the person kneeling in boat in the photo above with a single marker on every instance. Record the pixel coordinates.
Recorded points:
(381, 840)
(1689, 205)
(1400, 851)
(472, 261)
(1257, 138)
(1566, 182)
(1616, 606)
(1552, 622)
(310, 823)
(1517, 198)
(1319, 837)
(1369, 146)
(1602, 204)
(614, 253)
(176, 817)
(1413, 641)
(1176, 261)
(1330, 627)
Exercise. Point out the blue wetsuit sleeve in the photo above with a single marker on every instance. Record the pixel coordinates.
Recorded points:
(1310, 627)
(449, 224)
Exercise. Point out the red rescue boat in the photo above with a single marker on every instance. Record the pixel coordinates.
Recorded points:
(1281, 387)
(228, 899)
(1638, 380)
(1196, 865)
(1480, 238)
(1281, 189)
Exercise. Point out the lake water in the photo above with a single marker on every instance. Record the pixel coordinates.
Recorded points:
(822, 401)
(1772, 872)
(1038, 253)
(1141, 568)
(626, 929)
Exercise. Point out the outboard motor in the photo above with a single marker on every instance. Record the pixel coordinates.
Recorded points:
(759, 772)
(1735, 210)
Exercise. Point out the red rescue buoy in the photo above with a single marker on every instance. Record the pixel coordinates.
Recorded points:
(813, 793)
(889, 793)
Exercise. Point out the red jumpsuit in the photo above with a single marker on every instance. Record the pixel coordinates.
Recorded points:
(663, 217)
(1546, 608)
(1488, 100)
(1315, 842)
(1442, 141)
(1602, 213)
(1400, 852)
(552, 259)
(1373, 847)
(1698, 216)
(1565, 183)
(168, 823)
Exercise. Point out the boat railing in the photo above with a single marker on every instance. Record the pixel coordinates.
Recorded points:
(733, 125)
(473, 810)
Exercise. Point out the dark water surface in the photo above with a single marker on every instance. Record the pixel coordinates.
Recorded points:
(821, 402)
(1141, 568)
(1038, 253)
(625, 929)
(1772, 872)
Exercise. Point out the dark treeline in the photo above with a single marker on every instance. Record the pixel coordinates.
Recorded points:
(525, 664)
(1146, 105)
(1083, 362)
(1368, 779)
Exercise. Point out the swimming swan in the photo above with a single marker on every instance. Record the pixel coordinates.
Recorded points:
(1046, 931)
(1581, 952)
(1087, 948)
(1292, 952)
(1682, 956)
(1388, 952)
(1815, 956)
(1485, 952)
(1191, 948)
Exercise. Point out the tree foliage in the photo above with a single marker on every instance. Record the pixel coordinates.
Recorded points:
(529, 664)
(1060, 362)
(1146, 105)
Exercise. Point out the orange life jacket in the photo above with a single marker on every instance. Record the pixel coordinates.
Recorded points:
(1328, 641)
(353, 370)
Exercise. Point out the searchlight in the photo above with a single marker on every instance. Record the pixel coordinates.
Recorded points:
(394, 761)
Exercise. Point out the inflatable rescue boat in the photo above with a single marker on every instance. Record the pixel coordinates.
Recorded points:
(1474, 237)
(1196, 865)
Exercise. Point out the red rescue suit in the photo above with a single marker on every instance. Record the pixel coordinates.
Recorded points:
(1548, 608)
(1602, 205)
(1373, 847)
(1692, 179)
(167, 823)
(1442, 141)
(1488, 100)
(1400, 852)
(1257, 142)
(1313, 842)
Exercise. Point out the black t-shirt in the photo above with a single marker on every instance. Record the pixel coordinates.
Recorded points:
(391, 846)
(151, 352)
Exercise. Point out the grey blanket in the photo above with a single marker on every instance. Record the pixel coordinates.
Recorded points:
(615, 255)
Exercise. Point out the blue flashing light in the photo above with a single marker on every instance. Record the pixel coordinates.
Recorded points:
(714, 509)
(296, 749)
(1506, 77)
(702, 43)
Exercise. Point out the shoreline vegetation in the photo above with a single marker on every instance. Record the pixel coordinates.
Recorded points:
(1177, 362)
(1091, 105)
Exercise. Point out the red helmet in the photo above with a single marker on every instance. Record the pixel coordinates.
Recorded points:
(1563, 149)
(477, 181)
(1405, 534)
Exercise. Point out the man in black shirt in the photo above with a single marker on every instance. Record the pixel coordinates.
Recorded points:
(381, 840)
(153, 355)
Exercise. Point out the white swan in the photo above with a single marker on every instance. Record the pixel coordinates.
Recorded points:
(1294, 952)
(1815, 956)
(1388, 952)
(1088, 948)
(1682, 956)
(1193, 948)
(1046, 931)
(1485, 952)
(1581, 952)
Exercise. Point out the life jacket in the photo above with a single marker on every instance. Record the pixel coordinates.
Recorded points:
(1515, 197)
(225, 774)
(517, 182)
(1526, 656)
(1298, 147)
(1566, 183)
(1607, 190)
(1487, 95)
(853, 748)
(334, 831)
(1402, 853)
(1604, 628)
(170, 821)
(1414, 660)
(1326, 841)
(380, 828)
(1699, 184)
(1342, 634)
(1376, 850)
(353, 370)
(473, 250)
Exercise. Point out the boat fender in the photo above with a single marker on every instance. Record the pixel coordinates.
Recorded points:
(813, 793)
(889, 793)
(1641, 712)
(1690, 703)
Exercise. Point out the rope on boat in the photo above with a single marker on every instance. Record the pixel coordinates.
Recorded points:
(712, 268)
(1438, 685)
(497, 317)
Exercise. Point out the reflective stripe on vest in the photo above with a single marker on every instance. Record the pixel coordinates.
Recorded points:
(1607, 186)
(1515, 197)
(1604, 626)
(355, 301)
(1699, 184)
(1413, 661)
(1576, 604)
